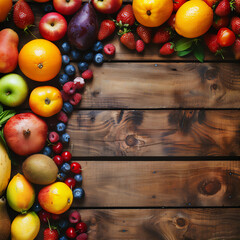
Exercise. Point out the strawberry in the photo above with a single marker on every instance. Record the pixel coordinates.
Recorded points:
(212, 44)
(167, 49)
(128, 40)
(144, 33)
(211, 3)
(177, 4)
(223, 8)
(50, 234)
(220, 22)
(107, 28)
(140, 46)
(23, 16)
(236, 49)
(237, 6)
(235, 25)
(161, 36)
(126, 15)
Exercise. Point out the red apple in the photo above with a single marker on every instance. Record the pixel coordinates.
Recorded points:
(67, 7)
(107, 6)
(53, 26)
(25, 133)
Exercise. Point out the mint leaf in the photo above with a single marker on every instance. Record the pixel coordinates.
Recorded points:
(184, 53)
(183, 44)
(198, 52)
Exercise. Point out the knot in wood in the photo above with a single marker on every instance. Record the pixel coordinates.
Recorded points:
(211, 74)
(209, 187)
(131, 140)
(181, 222)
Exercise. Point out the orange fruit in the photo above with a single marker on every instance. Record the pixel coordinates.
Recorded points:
(5, 6)
(193, 19)
(40, 60)
(152, 13)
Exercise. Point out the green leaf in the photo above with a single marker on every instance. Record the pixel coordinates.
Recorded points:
(183, 44)
(4, 116)
(198, 52)
(2, 139)
(1, 108)
(184, 53)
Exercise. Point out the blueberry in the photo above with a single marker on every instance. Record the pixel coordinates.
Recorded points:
(61, 127)
(63, 79)
(63, 224)
(47, 151)
(61, 176)
(48, 8)
(98, 47)
(65, 47)
(65, 168)
(83, 66)
(88, 57)
(78, 178)
(65, 138)
(70, 70)
(67, 107)
(78, 193)
(98, 58)
(36, 207)
(63, 238)
(75, 54)
(65, 59)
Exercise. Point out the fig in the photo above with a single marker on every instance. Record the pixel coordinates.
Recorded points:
(40, 169)
(83, 28)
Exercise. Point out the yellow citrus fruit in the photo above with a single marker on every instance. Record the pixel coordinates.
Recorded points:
(40, 60)
(193, 19)
(152, 13)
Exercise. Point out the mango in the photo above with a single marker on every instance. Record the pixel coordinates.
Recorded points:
(20, 194)
(9, 50)
(40, 169)
(25, 227)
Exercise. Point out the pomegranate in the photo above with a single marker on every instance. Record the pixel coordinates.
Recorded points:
(25, 133)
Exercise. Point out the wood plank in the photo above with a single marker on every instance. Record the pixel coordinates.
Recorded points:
(155, 133)
(160, 183)
(162, 224)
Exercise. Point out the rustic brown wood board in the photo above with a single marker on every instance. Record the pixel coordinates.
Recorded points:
(158, 139)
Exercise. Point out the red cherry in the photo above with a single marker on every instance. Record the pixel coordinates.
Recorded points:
(71, 182)
(81, 227)
(66, 156)
(71, 233)
(57, 148)
(58, 160)
(44, 216)
(55, 217)
(76, 167)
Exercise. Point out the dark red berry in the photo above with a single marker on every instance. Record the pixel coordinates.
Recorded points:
(65, 96)
(58, 160)
(62, 116)
(53, 137)
(71, 233)
(81, 227)
(74, 217)
(109, 49)
(82, 236)
(66, 156)
(44, 216)
(71, 182)
(76, 167)
(75, 99)
(69, 88)
(57, 148)
(87, 75)
(55, 217)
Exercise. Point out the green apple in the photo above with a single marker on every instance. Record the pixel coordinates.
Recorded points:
(13, 90)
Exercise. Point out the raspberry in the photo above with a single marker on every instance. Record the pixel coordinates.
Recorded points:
(53, 137)
(69, 87)
(82, 236)
(65, 96)
(87, 75)
(62, 116)
(109, 49)
(75, 99)
(79, 82)
(140, 46)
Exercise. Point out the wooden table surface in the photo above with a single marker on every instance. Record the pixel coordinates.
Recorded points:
(158, 139)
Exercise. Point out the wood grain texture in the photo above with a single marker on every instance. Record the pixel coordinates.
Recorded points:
(155, 133)
(160, 183)
(163, 224)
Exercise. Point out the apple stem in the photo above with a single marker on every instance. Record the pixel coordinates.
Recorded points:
(26, 133)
